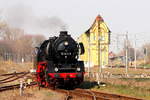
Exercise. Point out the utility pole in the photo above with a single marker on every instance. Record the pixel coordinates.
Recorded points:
(145, 55)
(135, 52)
(117, 38)
(127, 53)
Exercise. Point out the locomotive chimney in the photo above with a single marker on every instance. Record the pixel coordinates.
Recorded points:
(63, 33)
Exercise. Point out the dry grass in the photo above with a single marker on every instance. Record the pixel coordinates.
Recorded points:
(125, 90)
(138, 88)
(135, 87)
(143, 83)
(121, 70)
(9, 66)
(32, 94)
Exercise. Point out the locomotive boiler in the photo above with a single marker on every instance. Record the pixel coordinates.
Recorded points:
(57, 62)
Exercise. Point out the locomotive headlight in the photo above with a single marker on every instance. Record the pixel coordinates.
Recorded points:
(56, 69)
(78, 69)
(65, 43)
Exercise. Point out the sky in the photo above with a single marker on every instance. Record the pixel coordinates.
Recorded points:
(121, 16)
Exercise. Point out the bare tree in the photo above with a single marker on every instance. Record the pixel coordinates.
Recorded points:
(15, 44)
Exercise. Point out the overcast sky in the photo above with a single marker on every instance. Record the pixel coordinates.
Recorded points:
(78, 15)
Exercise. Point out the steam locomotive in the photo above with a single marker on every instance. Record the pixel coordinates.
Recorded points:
(57, 62)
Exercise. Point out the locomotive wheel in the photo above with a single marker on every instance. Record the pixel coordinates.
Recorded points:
(69, 85)
(54, 85)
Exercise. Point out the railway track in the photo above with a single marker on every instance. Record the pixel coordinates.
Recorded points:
(77, 94)
(129, 67)
(13, 77)
(84, 94)
(16, 86)
(7, 78)
(15, 73)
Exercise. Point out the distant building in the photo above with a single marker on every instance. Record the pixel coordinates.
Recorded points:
(96, 41)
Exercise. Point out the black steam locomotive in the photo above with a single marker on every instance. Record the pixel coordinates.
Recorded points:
(57, 61)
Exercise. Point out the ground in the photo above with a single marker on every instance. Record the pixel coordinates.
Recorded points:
(31, 94)
(10, 67)
(135, 87)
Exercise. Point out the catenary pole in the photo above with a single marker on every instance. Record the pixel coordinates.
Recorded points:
(135, 65)
(127, 53)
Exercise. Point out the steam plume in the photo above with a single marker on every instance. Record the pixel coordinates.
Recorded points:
(22, 16)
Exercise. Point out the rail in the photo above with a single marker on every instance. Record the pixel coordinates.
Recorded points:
(13, 77)
(16, 86)
(83, 94)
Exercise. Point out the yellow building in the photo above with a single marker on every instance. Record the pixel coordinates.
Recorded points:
(96, 42)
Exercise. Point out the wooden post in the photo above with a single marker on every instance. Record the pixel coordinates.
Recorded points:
(21, 87)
